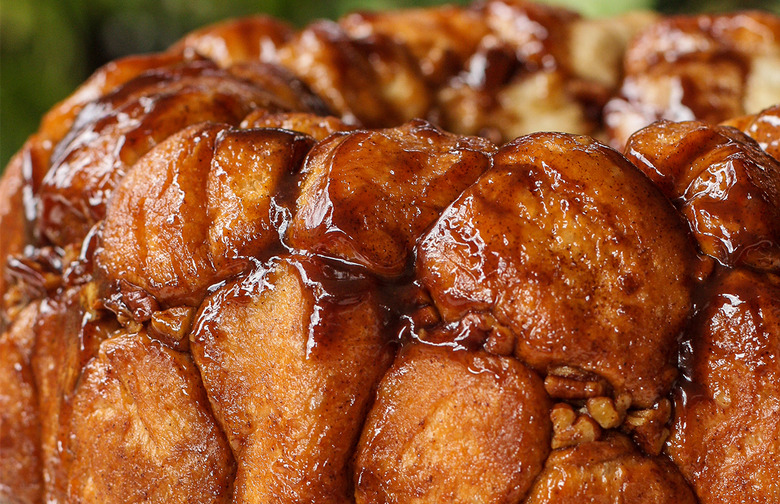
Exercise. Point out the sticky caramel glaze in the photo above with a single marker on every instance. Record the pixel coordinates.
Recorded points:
(586, 269)
(441, 39)
(12, 222)
(192, 210)
(453, 426)
(141, 429)
(243, 190)
(763, 127)
(112, 133)
(317, 127)
(234, 41)
(693, 67)
(609, 471)
(289, 356)
(156, 232)
(726, 430)
(20, 434)
(367, 196)
(569, 249)
(289, 92)
(67, 335)
(58, 121)
(18, 188)
(372, 81)
(722, 182)
(538, 33)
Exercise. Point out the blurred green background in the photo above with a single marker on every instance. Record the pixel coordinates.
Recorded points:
(48, 47)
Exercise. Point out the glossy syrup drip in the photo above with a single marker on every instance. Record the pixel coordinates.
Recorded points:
(414, 183)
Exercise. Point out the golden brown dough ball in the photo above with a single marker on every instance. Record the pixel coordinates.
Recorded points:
(441, 39)
(291, 384)
(234, 41)
(569, 249)
(607, 471)
(763, 127)
(453, 426)
(726, 430)
(194, 210)
(141, 429)
(20, 436)
(370, 80)
(703, 67)
(110, 135)
(367, 196)
(722, 182)
(68, 333)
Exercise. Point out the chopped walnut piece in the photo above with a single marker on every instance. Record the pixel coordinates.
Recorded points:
(649, 427)
(172, 326)
(569, 383)
(562, 416)
(426, 316)
(14, 300)
(473, 331)
(90, 299)
(605, 412)
(131, 303)
(126, 320)
(501, 340)
(571, 429)
(622, 402)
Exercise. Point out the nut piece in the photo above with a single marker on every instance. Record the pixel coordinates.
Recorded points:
(608, 412)
(473, 331)
(570, 383)
(649, 427)
(570, 429)
(172, 326)
(426, 316)
(501, 340)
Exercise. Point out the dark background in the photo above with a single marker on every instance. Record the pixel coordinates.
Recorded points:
(48, 47)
